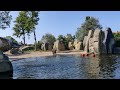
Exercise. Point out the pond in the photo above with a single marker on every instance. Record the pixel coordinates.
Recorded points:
(68, 67)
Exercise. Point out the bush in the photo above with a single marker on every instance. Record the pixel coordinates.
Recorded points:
(117, 39)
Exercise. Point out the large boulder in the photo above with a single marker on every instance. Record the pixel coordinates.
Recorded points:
(79, 46)
(109, 41)
(4, 44)
(70, 45)
(91, 45)
(90, 34)
(50, 46)
(97, 39)
(75, 42)
(59, 46)
(6, 68)
(14, 51)
(26, 48)
(44, 46)
(84, 41)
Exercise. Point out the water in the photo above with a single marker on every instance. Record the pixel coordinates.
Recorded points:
(68, 67)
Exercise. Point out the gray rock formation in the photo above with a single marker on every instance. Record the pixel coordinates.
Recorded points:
(78, 45)
(109, 41)
(46, 46)
(84, 41)
(99, 42)
(5, 65)
(70, 46)
(90, 34)
(59, 46)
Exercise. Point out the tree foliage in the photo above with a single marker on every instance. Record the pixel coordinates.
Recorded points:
(60, 38)
(25, 24)
(21, 25)
(117, 39)
(66, 39)
(5, 19)
(90, 23)
(48, 38)
(33, 21)
(69, 38)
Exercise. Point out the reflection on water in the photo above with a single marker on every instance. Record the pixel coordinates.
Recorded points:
(68, 67)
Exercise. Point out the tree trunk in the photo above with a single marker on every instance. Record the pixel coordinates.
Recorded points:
(24, 39)
(35, 41)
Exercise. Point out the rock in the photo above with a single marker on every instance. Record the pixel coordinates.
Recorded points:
(54, 51)
(90, 34)
(75, 42)
(50, 46)
(91, 45)
(14, 50)
(97, 39)
(25, 48)
(84, 41)
(109, 41)
(70, 46)
(4, 44)
(59, 46)
(46, 46)
(79, 46)
(6, 68)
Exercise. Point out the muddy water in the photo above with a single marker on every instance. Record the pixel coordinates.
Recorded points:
(68, 67)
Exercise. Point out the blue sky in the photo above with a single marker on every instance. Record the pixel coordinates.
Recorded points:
(63, 22)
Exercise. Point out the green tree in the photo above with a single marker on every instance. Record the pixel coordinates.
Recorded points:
(69, 38)
(48, 38)
(21, 25)
(81, 33)
(5, 19)
(60, 37)
(117, 39)
(64, 40)
(32, 22)
(90, 23)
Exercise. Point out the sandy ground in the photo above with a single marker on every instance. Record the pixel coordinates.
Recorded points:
(39, 54)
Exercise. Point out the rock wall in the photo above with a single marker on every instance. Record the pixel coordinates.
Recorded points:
(59, 46)
(99, 41)
(90, 34)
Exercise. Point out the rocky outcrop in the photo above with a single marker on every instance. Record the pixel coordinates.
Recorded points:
(70, 46)
(46, 46)
(90, 34)
(59, 46)
(25, 48)
(4, 44)
(84, 41)
(15, 51)
(6, 67)
(99, 42)
(109, 41)
(78, 45)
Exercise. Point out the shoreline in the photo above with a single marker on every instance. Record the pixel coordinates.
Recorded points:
(40, 54)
